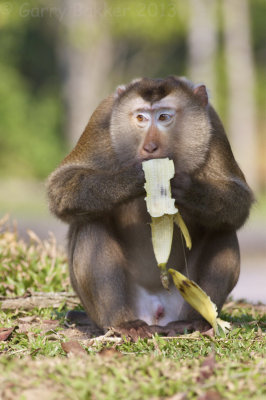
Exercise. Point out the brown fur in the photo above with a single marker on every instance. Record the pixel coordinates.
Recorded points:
(98, 190)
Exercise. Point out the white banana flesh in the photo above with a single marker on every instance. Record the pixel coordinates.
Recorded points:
(158, 173)
(162, 235)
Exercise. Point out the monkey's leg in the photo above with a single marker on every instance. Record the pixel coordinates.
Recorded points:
(215, 268)
(97, 270)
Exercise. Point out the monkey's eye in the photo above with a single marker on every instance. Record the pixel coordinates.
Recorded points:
(164, 117)
(140, 117)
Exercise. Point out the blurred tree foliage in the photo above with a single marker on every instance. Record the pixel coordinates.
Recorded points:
(149, 38)
(31, 139)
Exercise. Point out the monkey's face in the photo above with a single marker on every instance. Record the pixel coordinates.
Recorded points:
(157, 119)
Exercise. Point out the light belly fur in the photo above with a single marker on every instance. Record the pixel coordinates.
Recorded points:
(147, 304)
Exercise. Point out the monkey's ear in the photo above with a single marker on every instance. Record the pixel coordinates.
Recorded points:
(119, 90)
(201, 93)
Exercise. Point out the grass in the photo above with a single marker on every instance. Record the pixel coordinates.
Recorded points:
(33, 363)
(36, 265)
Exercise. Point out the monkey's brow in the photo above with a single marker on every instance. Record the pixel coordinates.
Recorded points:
(155, 107)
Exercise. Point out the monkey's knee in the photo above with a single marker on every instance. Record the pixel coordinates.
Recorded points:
(98, 274)
(228, 260)
(219, 267)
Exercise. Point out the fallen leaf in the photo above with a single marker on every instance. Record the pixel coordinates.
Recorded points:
(5, 333)
(206, 368)
(109, 353)
(210, 395)
(209, 361)
(209, 332)
(73, 347)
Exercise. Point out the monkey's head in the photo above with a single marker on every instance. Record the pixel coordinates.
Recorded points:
(157, 118)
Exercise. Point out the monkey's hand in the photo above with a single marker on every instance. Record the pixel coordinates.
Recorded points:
(180, 185)
(219, 203)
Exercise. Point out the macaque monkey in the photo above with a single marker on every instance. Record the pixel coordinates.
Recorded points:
(99, 190)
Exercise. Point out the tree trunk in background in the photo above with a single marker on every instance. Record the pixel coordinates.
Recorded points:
(86, 54)
(202, 43)
(241, 84)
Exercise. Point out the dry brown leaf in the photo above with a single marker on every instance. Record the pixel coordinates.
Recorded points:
(209, 332)
(207, 368)
(109, 353)
(73, 347)
(5, 333)
(210, 395)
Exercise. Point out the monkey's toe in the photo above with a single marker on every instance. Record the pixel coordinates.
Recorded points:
(181, 327)
(134, 330)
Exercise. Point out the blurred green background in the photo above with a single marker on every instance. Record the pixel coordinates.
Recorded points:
(58, 59)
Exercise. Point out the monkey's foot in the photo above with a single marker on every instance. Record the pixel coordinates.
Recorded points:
(79, 320)
(181, 327)
(78, 317)
(136, 329)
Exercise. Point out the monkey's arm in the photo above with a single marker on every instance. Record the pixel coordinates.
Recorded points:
(78, 192)
(217, 196)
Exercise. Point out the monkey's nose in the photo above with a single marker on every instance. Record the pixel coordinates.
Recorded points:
(150, 147)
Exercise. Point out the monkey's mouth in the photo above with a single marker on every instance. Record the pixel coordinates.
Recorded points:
(152, 157)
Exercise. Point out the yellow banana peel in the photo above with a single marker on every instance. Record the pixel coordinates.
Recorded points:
(199, 300)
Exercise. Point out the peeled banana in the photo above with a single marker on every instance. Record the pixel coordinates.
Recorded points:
(161, 207)
(164, 213)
